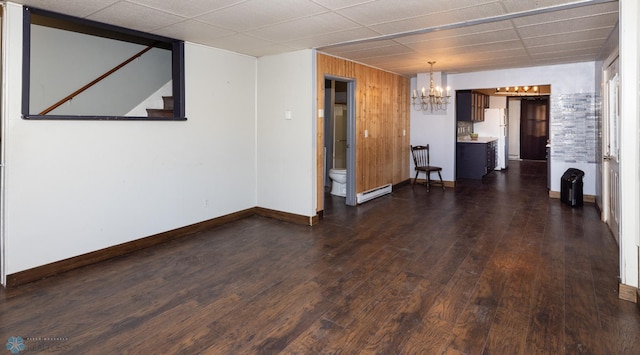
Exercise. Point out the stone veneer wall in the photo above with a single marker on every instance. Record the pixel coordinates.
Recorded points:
(574, 128)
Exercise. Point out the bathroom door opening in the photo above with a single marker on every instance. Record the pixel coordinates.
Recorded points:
(339, 132)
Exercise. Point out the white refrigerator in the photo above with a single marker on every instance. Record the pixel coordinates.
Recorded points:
(495, 124)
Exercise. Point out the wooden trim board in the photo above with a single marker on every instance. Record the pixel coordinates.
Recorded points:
(627, 293)
(585, 198)
(51, 269)
(449, 184)
(287, 217)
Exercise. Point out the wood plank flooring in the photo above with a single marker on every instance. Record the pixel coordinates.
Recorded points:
(490, 267)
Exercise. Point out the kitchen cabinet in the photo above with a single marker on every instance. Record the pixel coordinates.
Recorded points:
(475, 159)
(470, 105)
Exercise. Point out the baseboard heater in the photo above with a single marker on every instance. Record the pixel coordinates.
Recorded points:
(373, 193)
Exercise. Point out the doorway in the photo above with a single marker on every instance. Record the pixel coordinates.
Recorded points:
(611, 149)
(534, 128)
(339, 132)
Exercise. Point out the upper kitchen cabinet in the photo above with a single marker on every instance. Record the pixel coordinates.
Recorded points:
(470, 105)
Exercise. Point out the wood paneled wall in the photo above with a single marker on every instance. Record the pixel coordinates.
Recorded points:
(382, 108)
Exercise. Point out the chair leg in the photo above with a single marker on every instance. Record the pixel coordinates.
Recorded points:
(415, 178)
(441, 182)
(428, 182)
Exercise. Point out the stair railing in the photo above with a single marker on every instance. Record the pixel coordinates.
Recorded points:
(98, 79)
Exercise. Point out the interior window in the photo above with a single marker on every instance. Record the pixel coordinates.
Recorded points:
(79, 69)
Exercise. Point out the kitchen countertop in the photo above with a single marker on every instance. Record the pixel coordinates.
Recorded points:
(466, 139)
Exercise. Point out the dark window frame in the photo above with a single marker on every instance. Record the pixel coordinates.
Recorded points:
(177, 67)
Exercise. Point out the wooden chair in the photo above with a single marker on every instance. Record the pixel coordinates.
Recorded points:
(420, 155)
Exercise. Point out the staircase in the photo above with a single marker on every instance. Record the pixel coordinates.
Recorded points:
(166, 111)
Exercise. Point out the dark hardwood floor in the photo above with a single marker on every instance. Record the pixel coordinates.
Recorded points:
(492, 267)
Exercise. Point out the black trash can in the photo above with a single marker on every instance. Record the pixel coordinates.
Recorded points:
(571, 187)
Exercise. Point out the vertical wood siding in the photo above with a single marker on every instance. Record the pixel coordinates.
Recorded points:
(382, 108)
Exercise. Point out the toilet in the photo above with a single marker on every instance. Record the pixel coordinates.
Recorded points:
(339, 182)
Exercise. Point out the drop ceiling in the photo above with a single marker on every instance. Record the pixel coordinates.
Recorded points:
(398, 36)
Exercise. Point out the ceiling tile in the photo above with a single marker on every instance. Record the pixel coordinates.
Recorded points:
(385, 11)
(488, 61)
(562, 60)
(360, 46)
(193, 31)
(187, 8)
(455, 64)
(561, 53)
(340, 4)
(391, 50)
(260, 13)
(396, 60)
(519, 5)
(439, 19)
(256, 47)
(567, 46)
(597, 33)
(495, 49)
(305, 28)
(327, 39)
(489, 64)
(78, 8)
(593, 11)
(504, 36)
(134, 16)
(492, 28)
(569, 25)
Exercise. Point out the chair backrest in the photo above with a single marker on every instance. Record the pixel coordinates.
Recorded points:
(420, 155)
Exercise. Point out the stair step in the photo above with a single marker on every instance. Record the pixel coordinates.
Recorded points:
(159, 112)
(168, 102)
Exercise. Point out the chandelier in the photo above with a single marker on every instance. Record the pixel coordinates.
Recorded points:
(436, 99)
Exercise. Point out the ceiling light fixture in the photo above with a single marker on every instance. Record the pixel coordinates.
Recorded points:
(518, 91)
(436, 99)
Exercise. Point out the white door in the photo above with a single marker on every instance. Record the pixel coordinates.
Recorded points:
(611, 149)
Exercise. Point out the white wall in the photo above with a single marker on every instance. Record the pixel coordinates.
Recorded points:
(498, 102)
(286, 147)
(436, 129)
(73, 187)
(440, 131)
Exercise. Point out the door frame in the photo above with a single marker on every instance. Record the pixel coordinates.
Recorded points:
(3, 129)
(351, 137)
(610, 67)
(523, 126)
(629, 144)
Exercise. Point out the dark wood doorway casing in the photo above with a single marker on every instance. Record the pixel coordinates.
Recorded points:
(534, 128)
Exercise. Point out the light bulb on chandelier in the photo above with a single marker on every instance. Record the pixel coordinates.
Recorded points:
(518, 91)
(436, 99)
